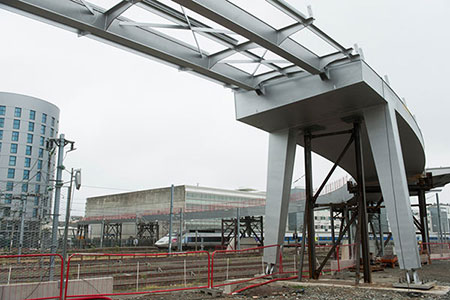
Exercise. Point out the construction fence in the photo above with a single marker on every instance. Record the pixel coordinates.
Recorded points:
(40, 276)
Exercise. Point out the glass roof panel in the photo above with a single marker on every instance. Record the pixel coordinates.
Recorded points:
(262, 69)
(209, 45)
(106, 4)
(183, 35)
(265, 12)
(141, 15)
(313, 42)
(246, 67)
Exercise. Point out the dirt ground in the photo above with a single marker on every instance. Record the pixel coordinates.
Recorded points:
(438, 271)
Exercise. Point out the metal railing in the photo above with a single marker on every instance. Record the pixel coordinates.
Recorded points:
(31, 276)
(133, 274)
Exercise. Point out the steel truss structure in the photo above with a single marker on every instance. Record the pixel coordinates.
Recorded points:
(148, 232)
(248, 227)
(233, 30)
(290, 90)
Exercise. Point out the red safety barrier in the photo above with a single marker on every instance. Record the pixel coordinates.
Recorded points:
(340, 260)
(93, 274)
(241, 265)
(31, 276)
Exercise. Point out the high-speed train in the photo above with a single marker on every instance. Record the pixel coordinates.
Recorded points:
(191, 240)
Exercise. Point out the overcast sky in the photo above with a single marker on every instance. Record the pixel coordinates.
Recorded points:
(138, 124)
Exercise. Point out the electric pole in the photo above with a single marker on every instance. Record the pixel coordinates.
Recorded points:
(61, 142)
(170, 217)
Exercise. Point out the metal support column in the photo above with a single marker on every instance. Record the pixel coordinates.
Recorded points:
(23, 199)
(238, 229)
(282, 146)
(180, 239)
(309, 207)
(333, 237)
(362, 205)
(171, 217)
(383, 134)
(438, 206)
(423, 218)
(58, 185)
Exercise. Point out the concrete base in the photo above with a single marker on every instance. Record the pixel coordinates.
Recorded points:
(424, 286)
(437, 290)
(51, 288)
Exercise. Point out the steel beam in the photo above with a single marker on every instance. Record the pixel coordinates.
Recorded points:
(423, 219)
(238, 20)
(76, 17)
(309, 206)
(282, 147)
(382, 129)
(362, 203)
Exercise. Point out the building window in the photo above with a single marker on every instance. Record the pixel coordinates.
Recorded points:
(2, 122)
(52, 132)
(28, 150)
(39, 164)
(9, 186)
(44, 118)
(53, 121)
(35, 212)
(29, 138)
(7, 211)
(36, 200)
(12, 160)
(41, 152)
(42, 129)
(16, 124)
(38, 176)
(41, 141)
(1, 134)
(25, 188)
(11, 173)
(26, 174)
(0, 147)
(18, 112)
(37, 188)
(2, 110)
(32, 114)
(27, 162)
(15, 136)
(13, 148)
(8, 198)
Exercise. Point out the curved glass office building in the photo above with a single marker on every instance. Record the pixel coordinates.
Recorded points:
(26, 167)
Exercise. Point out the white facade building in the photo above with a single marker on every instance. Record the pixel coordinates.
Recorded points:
(26, 167)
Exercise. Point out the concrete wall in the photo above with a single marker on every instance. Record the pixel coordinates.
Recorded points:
(89, 286)
(156, 201)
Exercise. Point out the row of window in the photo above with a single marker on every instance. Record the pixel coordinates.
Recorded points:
(16, 125)
(30, 141)
(15, 135)
(37, 190)
(28, 151)
(7, 212)
(26, 174)
(32, 116)
(15, 147)
(27, 162)
(10, 185)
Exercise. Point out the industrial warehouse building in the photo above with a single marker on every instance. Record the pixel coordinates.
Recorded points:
(26, 168)
(202, 208)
